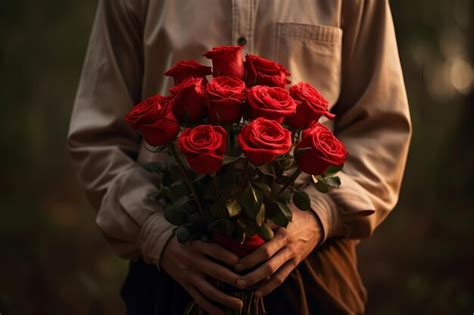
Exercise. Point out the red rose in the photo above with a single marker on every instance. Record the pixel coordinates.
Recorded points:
(226, 61)
(225, 97)
(311, 107)
(187, 68)
(154, 119)
(188, 99)
(240, 249)
(261, 71)
(270, 102)
(263, 139)
(203, 147)
(321, 149)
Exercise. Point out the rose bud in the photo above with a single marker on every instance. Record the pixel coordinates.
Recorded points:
(311, 107)
(155, 120)
(226, 61)
(319, 149)
(262, 140)
(226, 97)
(204, 147)
(187, 68)
(189, 100)
(261, 71)
(270, 102)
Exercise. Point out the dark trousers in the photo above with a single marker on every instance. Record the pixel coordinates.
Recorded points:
(147, 291)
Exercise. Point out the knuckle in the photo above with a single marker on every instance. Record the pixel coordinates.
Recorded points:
(204, 289)
(199, 300)
(265, 291)
(292, 250)
(270, 268)
(293, 263)
(223, 276)
(214, 252)
(266, 253)
(278, 280)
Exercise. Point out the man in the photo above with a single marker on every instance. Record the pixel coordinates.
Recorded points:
(345, 48)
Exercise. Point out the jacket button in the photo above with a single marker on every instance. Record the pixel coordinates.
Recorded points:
(241, 41)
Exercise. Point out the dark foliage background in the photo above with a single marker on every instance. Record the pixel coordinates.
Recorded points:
(54, 259)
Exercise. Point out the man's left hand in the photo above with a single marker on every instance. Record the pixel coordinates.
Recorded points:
(279, 256)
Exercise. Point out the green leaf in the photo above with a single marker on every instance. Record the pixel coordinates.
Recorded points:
(321, 186)
(217, 208)
(227, 159)
(260, 217)
(151, 148)
(283, 196)
(176, 174)
(265, 232)
(233, 207)
(250, 229)
(229, 227)
(263, 187)
(198, 177)
(153, 167)
(281, 214)
(333, 170)
(177, 190)
(315, 178)
(333, 181)
(175, 212)
(301, 200)
(286, 162)
(267, 169)
(256, 196)
(276, 188)
(239, 235)
(182, 234)
(251, 200)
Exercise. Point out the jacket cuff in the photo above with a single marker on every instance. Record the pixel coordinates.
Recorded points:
(326, 212)
(153, 237)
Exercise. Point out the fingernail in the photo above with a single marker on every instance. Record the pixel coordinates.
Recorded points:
(241, 283)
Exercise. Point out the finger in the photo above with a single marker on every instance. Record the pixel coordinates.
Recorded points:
(266, 269)
(216, 271)
(263, 253)
(278, 278)
(216, 295)
(202, 301)
(216, 251)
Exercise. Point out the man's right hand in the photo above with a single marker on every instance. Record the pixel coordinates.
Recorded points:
(189, 264)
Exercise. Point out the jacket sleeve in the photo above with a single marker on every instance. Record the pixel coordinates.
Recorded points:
(102, 147)
(372, 120)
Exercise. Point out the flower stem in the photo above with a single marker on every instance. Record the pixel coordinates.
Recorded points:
(214, 183)
(291, 181)
(188, 181)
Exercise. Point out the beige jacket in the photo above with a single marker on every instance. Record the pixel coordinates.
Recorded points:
(346, 48)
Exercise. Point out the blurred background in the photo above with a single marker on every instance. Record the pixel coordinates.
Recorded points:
(53, 258)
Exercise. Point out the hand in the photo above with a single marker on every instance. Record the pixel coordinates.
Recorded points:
(189, 265)
(282, 254)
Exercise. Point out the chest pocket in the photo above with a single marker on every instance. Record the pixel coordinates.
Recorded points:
(312, 53)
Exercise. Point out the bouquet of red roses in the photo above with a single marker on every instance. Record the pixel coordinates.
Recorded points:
(236, 145)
